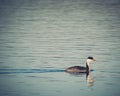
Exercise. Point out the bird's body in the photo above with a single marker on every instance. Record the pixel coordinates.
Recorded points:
(76, 69)
(81, 69)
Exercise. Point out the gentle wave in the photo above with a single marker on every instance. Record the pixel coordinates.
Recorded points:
(16, 71)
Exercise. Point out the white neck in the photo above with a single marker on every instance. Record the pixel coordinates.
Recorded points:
(88, 63)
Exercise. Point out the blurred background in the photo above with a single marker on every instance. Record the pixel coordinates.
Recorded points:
(56, 34)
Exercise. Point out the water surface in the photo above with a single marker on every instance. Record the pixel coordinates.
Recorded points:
(39, 39)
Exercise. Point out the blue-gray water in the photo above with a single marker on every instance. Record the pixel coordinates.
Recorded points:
(40, 38)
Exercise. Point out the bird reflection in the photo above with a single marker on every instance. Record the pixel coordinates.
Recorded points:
(89, 78)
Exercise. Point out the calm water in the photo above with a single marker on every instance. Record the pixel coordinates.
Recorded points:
(40, 38)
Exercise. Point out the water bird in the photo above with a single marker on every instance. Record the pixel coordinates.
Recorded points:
(81, 69)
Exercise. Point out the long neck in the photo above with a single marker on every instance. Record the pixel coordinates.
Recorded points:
(87, 66)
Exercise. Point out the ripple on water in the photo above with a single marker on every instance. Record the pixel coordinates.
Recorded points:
(16, 71)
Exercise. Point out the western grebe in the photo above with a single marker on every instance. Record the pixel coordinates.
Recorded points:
(81, 69)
